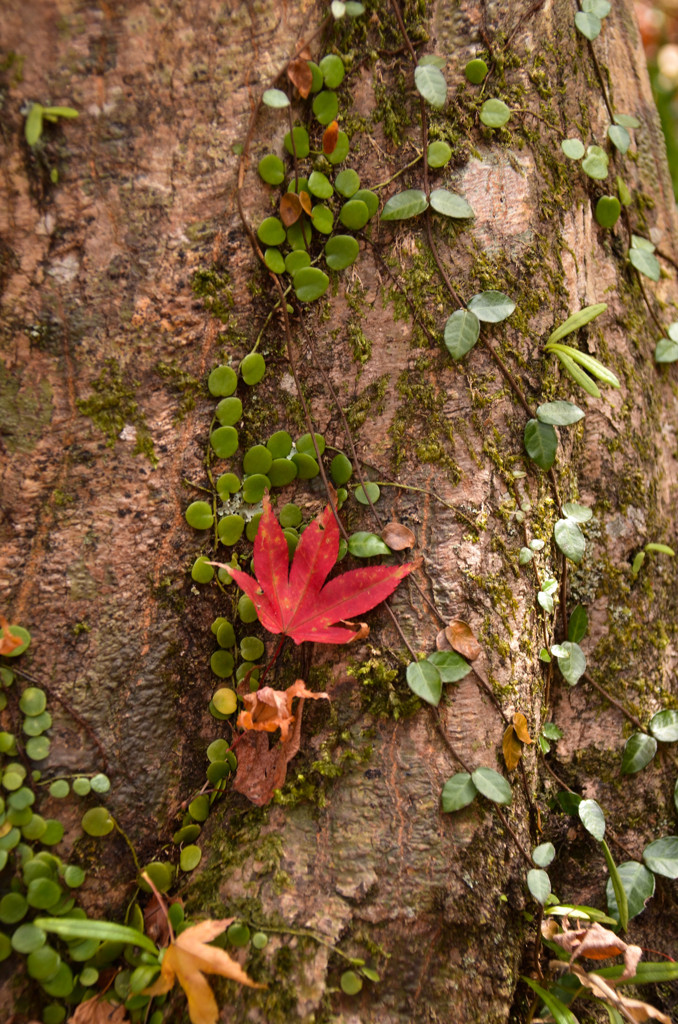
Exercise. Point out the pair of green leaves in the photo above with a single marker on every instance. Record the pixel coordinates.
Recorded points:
(462, 329)
(581, 367)
(640, 747)
(589, 20)
(642, 257)
(667, 348)
(426, 678)
(462, 789)
(541, 440)
(413, 201)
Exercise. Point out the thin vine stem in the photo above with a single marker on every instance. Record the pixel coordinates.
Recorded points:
(608, 696)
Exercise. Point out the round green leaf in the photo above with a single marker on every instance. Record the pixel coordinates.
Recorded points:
(354, 215)
(451, 666)
(226, 634)
(601, 8)
(37, 748)
(663, 726)
(282, 472)
(541, 442)
(254, 487)
(638, 884)
(275, 98)
(259, 940)
(539, 884)
(431, 84)
(319, 185)
(494, 113)
(619, 137)
(227, 484)
(62, 984)
(190, 857)
(74, 876)
(279, 444)
(296, 260)
(661, 856)
(666, 351)
(342, 250)
(438, 154)
(272, 169)
(592, 818)
(569, 539)
(451, 205)
(638, 752)
(596, 162)
(257, 459)
(573, 148)
(21, 798)
(367, 545)
(340, 151)
(224, 442)
(405, 205)
(347, 183)
(462, 331)
(201, 572)
(645, 262)
(332, 69)
(608, 209)
(290, 515)
(33, 701)
(580, 513)
(246, 610)
(370, 199)
(230, 529)
(476, 71)
(253, 368)
(238, 934)
(273, 259)
(97, 822)
(491, 306)
(13, 907)
(21, 634)
(588, 24)
(53, 833)
(573, 667)
(370, 493)
(271, 231)
(199, 808)
(310, 283)
(317, 76)
(323, 220)
(325, 106)
(492, 785)
(560, 414)
(307, 467)
(341, 469)
(221, 664)
(27, 938)
(59, 789)
(351, 983)
(43, 963)
(458, 792)
(251, 648)
(43, 893)
(306, 446)
(543, 854)
(301, 143)
(424, 679)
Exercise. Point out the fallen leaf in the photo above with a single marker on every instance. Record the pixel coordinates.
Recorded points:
(634, 1010)
(294, 599)
(330, 136)
(462, 639)
(268, 709)
(398, 537)
(7, 639)
(520, 726)
(156, 925)
(442, 643)
(598, 943)
(299, 74)
(98, 1011)
(512, 748)
(290, 209)
(188, 959)
(306, 202)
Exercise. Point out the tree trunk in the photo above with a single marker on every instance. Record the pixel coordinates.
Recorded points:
(131, 276)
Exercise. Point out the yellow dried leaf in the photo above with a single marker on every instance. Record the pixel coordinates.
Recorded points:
(188, 959)
(511, 748)
(462, 639)
(520, 725)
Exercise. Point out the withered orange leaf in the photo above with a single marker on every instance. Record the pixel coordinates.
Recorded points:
(598, 943)
(290, 209)
(156, 925)
(330, 136)
(520, 725)
(295, 599)
(8, 642)
(268, 709)
(462, 639)
(299, 74)
(512, 748)
(188, 959)
(98, 1011)
(306, 202)
(398, 537)
(634, 1010)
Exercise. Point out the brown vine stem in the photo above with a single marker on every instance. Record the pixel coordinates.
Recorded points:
(396, 283)
(608, 696)
(519, 845)
(446, 740)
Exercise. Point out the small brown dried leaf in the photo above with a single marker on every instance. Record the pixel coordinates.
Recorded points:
(98, 1011)
(268, 709)
(511, 748)
(442, 643)
(330, 136)
(290, 209)
(462, 639)
(362, 631)
(634, 1010)
(299, 74)
(520, 725)
(598, 943)
(306, 202)
(398, 537)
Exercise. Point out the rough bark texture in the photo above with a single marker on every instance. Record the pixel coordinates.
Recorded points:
(127, 281)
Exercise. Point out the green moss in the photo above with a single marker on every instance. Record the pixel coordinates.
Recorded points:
(371, 401)
(383, 693)
(25, 409)
(212, 286)
(113, 406)
(182, 383)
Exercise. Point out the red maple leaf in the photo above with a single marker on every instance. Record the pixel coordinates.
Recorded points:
(295, 600)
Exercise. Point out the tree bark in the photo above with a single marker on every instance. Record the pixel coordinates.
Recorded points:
(129, 278)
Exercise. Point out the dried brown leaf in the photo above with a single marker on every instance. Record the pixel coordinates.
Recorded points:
(306, 202)
(511, 748)
(330, 136)
(398, 537)
(299, 74)
(462, 639)
(635, 1010)
(98, 1011)
(598, 943)
(442, 643)
(268, 709)
(362, 630)
(156, 925)
(520, 725)
(290, 209)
